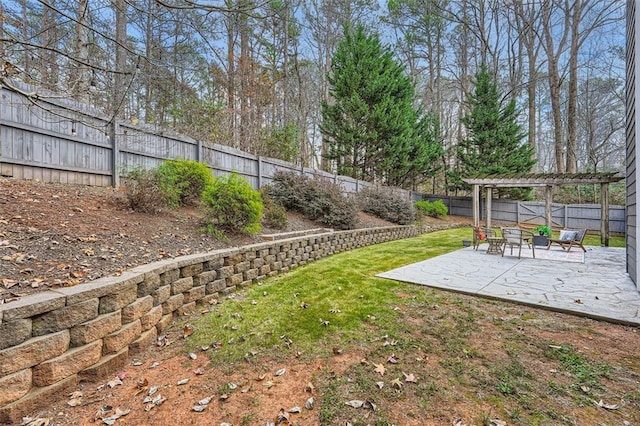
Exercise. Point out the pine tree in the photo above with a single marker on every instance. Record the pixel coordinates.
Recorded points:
(372, 129)
(495, 143)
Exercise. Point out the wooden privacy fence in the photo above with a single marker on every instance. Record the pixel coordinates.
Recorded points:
(57, 140)
(532, 213)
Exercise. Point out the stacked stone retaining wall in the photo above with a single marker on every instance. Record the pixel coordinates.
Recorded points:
(51, 341)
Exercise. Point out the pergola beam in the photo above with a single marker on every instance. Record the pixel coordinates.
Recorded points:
(548, 181)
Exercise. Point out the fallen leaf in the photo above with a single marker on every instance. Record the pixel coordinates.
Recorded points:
(355, 403)
(309, 387)
(74, 402)
(369, 405)
(294, 410)
(193, 356)
(497, 422)
(7, 283)
(282, 418)
(606, 406)
(380, 385)
(158, 400)
(187, 331)
(199, 371)
(281, 372)
(337, 351)
(380, 369)
(182, 382)
(198, 408)
(396, 383)
(410, 378)
(268, 384)
(115, 382)
(112, 419)
(392, 359)
(309, 404)
(205, 401)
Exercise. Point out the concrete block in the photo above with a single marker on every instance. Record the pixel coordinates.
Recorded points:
(65, 318)
(33, 352)
(95, 329)
(67, 364)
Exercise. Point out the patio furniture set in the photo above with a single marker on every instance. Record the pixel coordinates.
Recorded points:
(514, 237)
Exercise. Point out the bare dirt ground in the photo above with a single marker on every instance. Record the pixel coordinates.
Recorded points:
(54, 235)
(59, 235)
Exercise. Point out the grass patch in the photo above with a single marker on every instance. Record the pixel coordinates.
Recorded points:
(585, 371)
(462, 350)
(319, 305)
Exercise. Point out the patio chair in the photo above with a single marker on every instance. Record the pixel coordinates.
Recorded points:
(516, 237)
(569, 238)
(480, 235)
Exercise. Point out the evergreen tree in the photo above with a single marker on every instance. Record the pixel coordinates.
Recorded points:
(495, 139)
(371, 127)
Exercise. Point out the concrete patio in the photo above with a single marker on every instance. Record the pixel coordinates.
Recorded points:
(595, 285)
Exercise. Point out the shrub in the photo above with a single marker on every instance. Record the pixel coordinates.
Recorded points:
(275, 215)
(233, 205)
(183, 181)
(289, 190)
(434, 209)
(386, 205)
(143, 191)
(317, 199)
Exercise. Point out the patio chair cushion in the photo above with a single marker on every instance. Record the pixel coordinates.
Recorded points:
(566, 235)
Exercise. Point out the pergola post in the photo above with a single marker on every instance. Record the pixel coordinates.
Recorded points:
(548, 201)
(548, 181)
(488, 205)
(604, 214)
(476, 205)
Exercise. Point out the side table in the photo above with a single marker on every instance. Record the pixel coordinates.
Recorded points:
(495, 245)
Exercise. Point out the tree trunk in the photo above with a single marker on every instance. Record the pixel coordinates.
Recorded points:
(119, 92)
(81, 75)
(554, 82)
(572, 107)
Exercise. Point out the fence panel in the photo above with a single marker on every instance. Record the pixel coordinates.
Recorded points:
(58, 140)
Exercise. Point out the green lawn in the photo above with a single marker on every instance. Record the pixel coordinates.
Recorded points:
(479, 358)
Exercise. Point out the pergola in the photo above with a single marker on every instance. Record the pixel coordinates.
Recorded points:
(548, 181)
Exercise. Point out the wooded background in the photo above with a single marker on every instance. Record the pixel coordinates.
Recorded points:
(35, 143)
(252, 75)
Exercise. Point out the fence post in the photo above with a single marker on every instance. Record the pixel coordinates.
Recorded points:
(259, 172)
(115, 153)
(198, 151)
